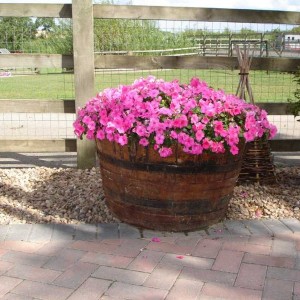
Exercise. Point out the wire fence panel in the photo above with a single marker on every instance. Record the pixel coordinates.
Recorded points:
(146, 39)
(163, 37)
(267, 86)
(42, 126)
(36, 35)
(37, 83)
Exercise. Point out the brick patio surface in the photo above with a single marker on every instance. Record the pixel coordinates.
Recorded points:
(256, 259)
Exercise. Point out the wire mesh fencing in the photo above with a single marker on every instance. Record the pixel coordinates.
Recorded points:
(129, 37)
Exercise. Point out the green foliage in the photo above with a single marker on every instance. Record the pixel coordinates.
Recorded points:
(57, 38)
(245, 31)
(195, 32)
(295, 102)
(15, 31)
(295, 29)
(45, 24)
(126, 35)
(19, 34)
(273, 35)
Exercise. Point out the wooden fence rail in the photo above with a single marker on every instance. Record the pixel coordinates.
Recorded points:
(147, 62)
(70, 145)
(82, 13)
(68, 106)
(154, 13)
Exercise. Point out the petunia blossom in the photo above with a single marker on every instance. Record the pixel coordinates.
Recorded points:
(159, 114)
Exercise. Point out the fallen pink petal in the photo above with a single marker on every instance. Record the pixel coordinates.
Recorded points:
(258, 213)
(155, 240)
(244, 194)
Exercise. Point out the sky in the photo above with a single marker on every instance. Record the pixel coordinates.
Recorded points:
(285, 5)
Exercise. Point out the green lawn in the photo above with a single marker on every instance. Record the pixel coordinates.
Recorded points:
(52, 84)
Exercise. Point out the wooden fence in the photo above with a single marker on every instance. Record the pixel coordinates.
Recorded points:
(82, 13)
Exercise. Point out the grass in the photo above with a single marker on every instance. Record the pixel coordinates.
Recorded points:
(53, 84)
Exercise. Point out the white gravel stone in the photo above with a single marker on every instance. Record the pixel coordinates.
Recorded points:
(50, 195)
(277, 201)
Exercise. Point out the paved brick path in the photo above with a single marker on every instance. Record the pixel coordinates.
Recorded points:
(232, 260)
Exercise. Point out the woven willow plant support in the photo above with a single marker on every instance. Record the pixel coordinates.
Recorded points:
(257, 164)
(244, 63)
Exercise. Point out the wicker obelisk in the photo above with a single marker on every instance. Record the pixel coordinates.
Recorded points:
(257, 164)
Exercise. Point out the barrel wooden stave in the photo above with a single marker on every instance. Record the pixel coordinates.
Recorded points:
(149, 218)
(162, 189)
(182, 192)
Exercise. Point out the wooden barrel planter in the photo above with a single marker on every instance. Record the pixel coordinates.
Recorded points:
(178, 193)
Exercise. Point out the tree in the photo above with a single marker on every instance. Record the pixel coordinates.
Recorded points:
(57, 38)
(295, 29)
(61, 39)
(246, 31)
(126, 35)
(226, 30)
(15, 32)
(45, 24)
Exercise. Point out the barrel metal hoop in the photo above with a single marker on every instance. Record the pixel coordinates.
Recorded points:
(193, 168)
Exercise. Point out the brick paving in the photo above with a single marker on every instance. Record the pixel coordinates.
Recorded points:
(256, 259)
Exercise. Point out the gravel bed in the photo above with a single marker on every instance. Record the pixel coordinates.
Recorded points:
(51, 195)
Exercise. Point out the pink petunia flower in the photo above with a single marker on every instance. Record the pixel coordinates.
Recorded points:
(159, 113)
(165, 152)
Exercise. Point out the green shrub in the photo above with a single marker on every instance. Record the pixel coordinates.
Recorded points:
(295, 102)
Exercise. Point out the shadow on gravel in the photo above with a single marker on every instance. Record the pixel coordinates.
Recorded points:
(31, 160)
(42, 195)
(287, 158)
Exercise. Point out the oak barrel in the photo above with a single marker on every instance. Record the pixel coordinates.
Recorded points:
(179, 193)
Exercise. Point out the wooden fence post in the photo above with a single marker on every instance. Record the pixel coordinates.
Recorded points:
(83, 52)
